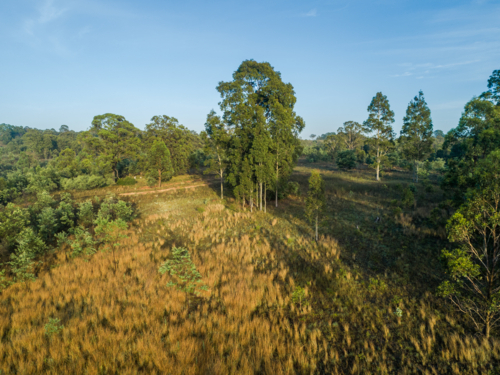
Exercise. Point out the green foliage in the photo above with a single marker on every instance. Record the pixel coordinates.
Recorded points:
(53, 327)
(159, 164)
(22, 260)
(258, 109)
(111, 139)
(82, 242)
(84, 182)
(474, 266)
(185, 276)
(379, 126)
(299, 295)
(293, 188)
(473, 140)
(4, 283)
(416, 135)
(176, 137)
(216, 138)
(86, 213)
(351, 134)
(315, 202)
(13, 220)
(127, 181)
(346, 159)
(408, 199)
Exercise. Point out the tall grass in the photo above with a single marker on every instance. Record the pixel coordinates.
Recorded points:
(346, 320)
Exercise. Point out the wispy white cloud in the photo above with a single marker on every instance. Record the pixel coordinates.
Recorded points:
(47, 12)
(421, 70)
(311, 13)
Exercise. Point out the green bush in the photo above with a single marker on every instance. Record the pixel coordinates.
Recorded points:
(84, 182)
(346, 159)
(127, 181)
(293, 188)
(408, 198)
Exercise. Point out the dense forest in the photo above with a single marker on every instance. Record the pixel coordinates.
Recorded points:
(361, 250)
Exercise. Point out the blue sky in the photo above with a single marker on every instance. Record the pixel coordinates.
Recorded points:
(64, 62)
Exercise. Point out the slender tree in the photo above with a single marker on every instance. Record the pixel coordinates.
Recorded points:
(177, 138)
(315, 202)
(111, 138)
(159, 162)
(416, 135)
(216, 137)
(351, 134)
(379, 126)
(474, 265)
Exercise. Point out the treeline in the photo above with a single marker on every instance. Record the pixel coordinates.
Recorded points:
(32, 160)
(419, 148)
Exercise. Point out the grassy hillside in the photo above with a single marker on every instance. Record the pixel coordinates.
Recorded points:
(359, 301)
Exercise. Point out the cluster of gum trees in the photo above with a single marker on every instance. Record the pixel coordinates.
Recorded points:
(163, 149)
(473, 179)
(378, 137)
(254, 145)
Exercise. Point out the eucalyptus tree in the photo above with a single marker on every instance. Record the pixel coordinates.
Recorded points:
(259, 108)
(474, 264)
(378, 125)
(493, 93)
(111, 139)
(176, 137)
(475, 137)
(315, 202)
(416, 135)
(158, 161)
(351, 134)
(216, 139)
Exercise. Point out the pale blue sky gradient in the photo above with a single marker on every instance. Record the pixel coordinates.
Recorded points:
(64, 62)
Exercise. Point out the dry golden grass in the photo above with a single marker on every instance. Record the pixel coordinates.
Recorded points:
(129, 322)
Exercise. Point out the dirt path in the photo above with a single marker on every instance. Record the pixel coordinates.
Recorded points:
(163, 190)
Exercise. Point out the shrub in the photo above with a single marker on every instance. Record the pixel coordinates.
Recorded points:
(182, 269)
(84, 182)
(408, 198)
(293, 188)
(127, 181)
(53, 327)
(346, 159)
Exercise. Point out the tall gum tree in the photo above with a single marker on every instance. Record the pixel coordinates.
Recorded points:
(378, 125)
(216, 138)
(351, 134)
(475, 137)
(257, 101)
(158, 160)
(176, 137)
(416, 134)
(111, 138)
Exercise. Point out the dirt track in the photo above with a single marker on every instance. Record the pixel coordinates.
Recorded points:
(163, 190)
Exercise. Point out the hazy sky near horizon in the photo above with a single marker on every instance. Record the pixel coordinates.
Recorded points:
(65, 61)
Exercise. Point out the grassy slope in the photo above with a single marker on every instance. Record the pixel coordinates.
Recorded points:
(254, 318)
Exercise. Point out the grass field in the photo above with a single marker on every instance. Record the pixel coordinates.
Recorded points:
(360, 301)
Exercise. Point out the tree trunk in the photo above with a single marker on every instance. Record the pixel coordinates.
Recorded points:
(487, 328)
(115, 172)
(378, 170)
(260, 195)
(159, 178)
(416, 172)
(265, 197)
(221, 186)
(277, 178)
(316, 228)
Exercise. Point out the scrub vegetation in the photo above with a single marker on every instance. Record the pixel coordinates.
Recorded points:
(355, 252)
